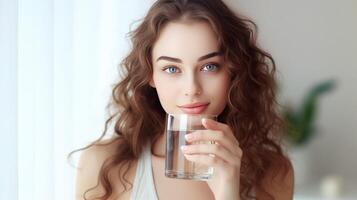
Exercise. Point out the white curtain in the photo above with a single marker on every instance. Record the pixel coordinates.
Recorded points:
(58, 59)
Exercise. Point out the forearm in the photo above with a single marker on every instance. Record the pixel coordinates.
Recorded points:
(229, 191)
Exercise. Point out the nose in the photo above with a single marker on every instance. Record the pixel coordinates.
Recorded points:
(192, 85)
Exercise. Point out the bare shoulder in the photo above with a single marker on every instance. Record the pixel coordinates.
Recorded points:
(89, 166)
(280, 183)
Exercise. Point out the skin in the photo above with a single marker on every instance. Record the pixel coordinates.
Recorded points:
(179, 82)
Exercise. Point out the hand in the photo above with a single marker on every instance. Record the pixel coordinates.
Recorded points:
(224, 156)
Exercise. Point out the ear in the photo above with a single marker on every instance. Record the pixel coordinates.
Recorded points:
(152, 84)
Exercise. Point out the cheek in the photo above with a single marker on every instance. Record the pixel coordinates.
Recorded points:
(219, 94)
(166, 93)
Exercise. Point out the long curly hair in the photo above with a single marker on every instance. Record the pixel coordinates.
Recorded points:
(251, 111)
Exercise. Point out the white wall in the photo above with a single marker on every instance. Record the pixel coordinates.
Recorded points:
(312, 41)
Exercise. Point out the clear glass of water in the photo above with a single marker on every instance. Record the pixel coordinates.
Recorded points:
(176, 165)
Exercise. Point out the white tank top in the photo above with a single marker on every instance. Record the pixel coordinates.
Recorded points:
(144, 187)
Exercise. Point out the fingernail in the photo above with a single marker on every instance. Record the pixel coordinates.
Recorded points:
(212, 155)
(206, 120)
(183, 147)
(188, 136)
(188, 156)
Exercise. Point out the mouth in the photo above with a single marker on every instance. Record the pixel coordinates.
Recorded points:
(194, 108)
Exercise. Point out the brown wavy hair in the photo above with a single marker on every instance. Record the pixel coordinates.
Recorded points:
(251, 110)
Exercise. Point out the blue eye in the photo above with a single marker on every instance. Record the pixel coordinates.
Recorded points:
(210, 67)
(171, 69)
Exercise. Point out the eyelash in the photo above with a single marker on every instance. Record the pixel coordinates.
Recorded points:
(214, 64)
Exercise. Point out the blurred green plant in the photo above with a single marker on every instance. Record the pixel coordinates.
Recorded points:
(299, 123)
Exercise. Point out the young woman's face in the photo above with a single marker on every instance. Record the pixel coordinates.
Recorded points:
(188, 68)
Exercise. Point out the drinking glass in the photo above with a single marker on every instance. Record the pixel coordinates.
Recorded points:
(176, 165)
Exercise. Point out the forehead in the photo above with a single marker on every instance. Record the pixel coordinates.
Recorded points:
(185, 40)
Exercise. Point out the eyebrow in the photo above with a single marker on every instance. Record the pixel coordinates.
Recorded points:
(199, 59)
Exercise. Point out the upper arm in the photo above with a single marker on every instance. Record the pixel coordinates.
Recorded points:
(280, 185)
(89, 166)
(87, 173)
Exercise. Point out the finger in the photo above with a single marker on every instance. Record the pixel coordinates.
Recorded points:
(214, 149)
(216, 136)
(208, 160)
(215, 125)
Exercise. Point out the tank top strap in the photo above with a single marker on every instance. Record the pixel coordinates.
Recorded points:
(144, 187)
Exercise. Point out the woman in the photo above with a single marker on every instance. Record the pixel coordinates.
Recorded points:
(184, 52)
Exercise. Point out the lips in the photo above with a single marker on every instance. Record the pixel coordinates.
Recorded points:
(195, 108)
